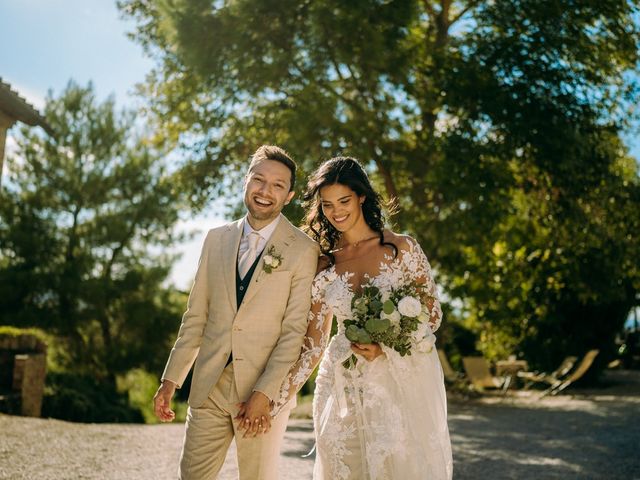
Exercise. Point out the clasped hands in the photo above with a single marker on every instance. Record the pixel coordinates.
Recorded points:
(254, 415)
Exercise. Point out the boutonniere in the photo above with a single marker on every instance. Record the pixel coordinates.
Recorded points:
(271, 260)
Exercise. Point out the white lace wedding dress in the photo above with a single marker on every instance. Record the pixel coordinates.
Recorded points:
(385, 419)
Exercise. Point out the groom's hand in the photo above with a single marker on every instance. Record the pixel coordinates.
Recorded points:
(162, 401)
(255, 415)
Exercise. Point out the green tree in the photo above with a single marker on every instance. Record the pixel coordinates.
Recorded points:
(84, 219)
(494, 123)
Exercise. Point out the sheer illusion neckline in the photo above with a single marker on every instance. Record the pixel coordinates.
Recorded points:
(367, 278)
(364, 253)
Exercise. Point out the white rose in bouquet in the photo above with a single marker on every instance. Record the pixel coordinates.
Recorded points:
(410, 307)
(268, 259)
(427, 343)
(424, 338)
(422, 331)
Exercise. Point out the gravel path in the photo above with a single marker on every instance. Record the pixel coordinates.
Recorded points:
(588, 435)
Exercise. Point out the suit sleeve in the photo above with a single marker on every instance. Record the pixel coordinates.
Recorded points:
(294, 326)
(187, 345)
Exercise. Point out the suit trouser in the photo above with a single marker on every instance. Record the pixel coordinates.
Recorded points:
(210, 429)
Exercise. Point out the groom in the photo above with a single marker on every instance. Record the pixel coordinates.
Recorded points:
(244, 326)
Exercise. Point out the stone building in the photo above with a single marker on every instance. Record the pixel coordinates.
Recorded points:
(22, 355)
(14, 108)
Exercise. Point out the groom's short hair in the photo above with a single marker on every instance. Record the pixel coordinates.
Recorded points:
(277, 154)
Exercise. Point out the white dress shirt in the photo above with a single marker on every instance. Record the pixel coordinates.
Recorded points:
(265, 234)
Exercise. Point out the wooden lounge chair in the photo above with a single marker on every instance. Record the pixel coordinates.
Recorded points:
(450, 375)
(479, 373)
(580, 370)
(531, 378)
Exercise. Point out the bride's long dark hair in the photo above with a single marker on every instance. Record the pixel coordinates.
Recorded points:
(348, 172)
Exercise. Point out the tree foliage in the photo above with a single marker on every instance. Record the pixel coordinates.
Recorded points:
(496, 124)
(84, 216)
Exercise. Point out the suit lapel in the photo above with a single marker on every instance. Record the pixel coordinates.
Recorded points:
(230, 244)
(282, 238)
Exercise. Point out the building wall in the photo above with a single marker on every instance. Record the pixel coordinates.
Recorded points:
(5, 124)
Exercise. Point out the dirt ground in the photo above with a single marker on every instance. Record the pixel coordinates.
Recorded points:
(583, 434)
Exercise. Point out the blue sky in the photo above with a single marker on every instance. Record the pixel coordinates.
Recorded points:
(48, 42)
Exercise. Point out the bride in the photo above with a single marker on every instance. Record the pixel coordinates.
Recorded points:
(383, 416)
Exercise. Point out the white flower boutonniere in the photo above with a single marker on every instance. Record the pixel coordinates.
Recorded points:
(271, 260)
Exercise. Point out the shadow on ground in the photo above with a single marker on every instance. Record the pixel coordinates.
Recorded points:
(583, 435)
(580, 435)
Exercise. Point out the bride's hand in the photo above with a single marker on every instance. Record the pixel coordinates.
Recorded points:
(370, 351)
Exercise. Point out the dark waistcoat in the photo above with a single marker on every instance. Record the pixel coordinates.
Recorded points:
(241, 288)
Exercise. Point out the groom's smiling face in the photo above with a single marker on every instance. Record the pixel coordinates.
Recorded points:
(266, 191)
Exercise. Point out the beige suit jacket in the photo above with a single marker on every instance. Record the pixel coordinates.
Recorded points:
(265, 334)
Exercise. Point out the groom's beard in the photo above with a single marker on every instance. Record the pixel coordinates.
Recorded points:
(263, 213)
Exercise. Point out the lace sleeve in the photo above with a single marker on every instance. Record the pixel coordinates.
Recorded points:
(417, 268)
(315, 342)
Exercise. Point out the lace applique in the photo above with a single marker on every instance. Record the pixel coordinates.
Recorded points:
(337, 295)
(380, 411)
(339, 349)
(411, 265)
(364, 407)
(315, 342)
(334, 440)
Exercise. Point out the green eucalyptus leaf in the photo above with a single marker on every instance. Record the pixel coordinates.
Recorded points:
(388, 307)
(352, 333)
(363, 337)
(377, 325)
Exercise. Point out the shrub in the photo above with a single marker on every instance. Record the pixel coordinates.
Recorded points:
(79, 398)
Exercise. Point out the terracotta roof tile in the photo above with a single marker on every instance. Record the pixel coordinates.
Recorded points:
(17, 107)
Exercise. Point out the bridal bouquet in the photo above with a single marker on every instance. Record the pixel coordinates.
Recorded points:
(395, 318)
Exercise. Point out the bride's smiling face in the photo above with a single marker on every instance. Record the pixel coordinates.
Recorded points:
(341, 206)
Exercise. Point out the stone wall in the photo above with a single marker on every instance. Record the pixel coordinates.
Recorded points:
(23, 361)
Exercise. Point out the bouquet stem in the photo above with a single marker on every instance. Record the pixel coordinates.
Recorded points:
(350, 363)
